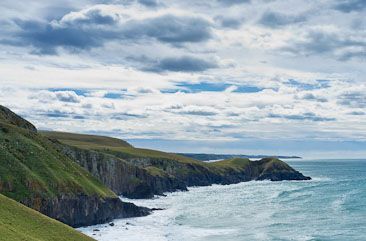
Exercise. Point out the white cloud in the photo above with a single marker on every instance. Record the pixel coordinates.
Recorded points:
(106, 88)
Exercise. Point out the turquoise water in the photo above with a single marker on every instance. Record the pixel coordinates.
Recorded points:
(330, 207)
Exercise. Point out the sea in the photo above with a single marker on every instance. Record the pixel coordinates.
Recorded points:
(332, 206)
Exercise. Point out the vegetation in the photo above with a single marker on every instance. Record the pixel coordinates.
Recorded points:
(235, 163)
(32, 167)
(160, 163)
(7, 116)
(18, 222)
(86, 141)
(113, 146)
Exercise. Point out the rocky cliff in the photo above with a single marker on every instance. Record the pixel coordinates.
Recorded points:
(84, 210)
(35, 173)
(138, 173)
(122, 177)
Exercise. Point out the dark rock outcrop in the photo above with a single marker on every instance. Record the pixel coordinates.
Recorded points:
(83, 210)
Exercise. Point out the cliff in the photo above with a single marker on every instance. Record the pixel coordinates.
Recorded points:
(142, 173)
(121, 176)
(36, 174)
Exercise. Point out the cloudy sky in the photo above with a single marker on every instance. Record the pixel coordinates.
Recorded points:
(221, 76)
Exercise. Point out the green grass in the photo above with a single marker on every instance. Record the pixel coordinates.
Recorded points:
(274, 165)
(32, 167)
(235, 163)
(112, 146)
(7, 116)
(18, 222)
(86, 141)
(156, 171)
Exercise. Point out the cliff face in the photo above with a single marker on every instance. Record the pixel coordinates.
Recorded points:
(203, 174)
(121, 176)
(84, 210)
(143, 177)
(35, 173)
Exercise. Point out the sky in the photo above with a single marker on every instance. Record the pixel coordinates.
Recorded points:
(274, 77)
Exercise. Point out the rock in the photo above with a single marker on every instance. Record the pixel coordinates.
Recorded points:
(157, 209)
(111, 224)
(116, 173)
(83, 210)
(96, 230)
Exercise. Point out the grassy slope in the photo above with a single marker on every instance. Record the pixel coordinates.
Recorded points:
(10, 117)
(86, 141)
(18, 222)
(31, 167)
(111, 145)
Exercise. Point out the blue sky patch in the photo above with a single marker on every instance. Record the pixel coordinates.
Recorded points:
(213, 87)
(80, 92)
(113, 95)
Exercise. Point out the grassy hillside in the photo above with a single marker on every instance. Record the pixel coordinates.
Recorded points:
(112, 145)
(18, 222)
(7, 116)
(164, 171)
(36, 173)
(32, 167)
(86, 141)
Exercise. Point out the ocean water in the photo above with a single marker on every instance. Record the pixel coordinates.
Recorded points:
(332, 206)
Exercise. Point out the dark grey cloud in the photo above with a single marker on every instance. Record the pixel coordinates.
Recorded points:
(125, 116)
(357, 113)
(94, 29)
(60, 114)
(343, 47)
(46, 38)
(350, 5)
(149, 3)
(56, 114)
(181, 64)
(233, 2)
(354, 99)
(171, 29)
(312, 97)
(275, 20)
(198, 112)
(309, 116)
